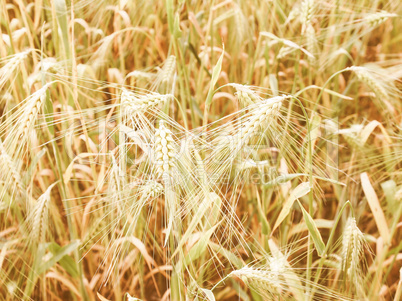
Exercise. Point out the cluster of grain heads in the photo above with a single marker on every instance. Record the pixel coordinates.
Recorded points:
(134, 182)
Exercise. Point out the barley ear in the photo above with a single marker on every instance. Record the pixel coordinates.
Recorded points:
(352, 250)
(40, 217)
(164, 152)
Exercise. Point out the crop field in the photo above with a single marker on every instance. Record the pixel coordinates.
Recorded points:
(200, 150)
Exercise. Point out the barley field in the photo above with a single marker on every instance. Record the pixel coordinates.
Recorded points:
(200, 150)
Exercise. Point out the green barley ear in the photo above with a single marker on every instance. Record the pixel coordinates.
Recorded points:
(376, 19)
(240, 26)
(151, 189)
(166, 77)
(376, 84)
(165, 165)
(117, 184)
(164, 150)
(245, 94)
(136, 103)
(260, 117)
(263, 114)
(307, 12)
(312, 46)
(39, 217)
(10, 68)
(26, 116)
(294, 14)
(352, 251)
(284, 51)
(8, 167)
(20, 124)
(48, 67)
(266, 281)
